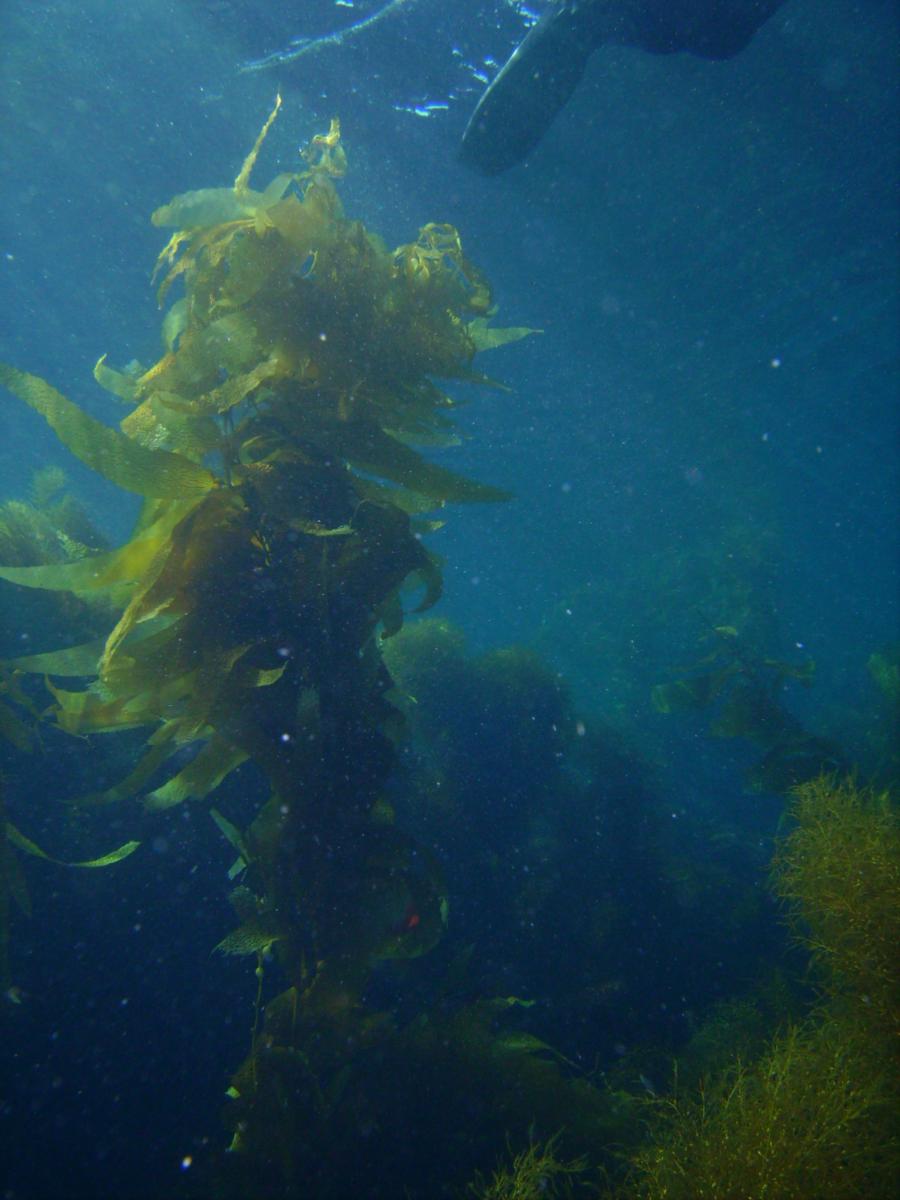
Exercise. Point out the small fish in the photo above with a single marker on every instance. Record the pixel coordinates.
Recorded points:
(410, 920)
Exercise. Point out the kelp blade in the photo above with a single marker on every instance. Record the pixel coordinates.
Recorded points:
(23, 843)
(157, 473)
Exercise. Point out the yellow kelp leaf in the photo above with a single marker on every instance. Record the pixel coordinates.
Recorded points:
(107, 860)
(105, 450)
(90, 712)
(165, 421)
(486, 337)
(174, 323)
(251, 261)
(73, 661)
(276, 190)
(236, 389)
(206, 207)
(230, 344)
(374, 451)
(413, 503)
(135, 780)
(140, 610)
(200, 777)
(84, 574)
(325, 155)
(316, 530)
(520, 1042)
(295, 222)
(240, 184)
(232, 833)
(121, 385)
(151, 377)
(266, 678)
(227, 345)
(23, 843)
(217, 206)
(440, 437)
(99, 571)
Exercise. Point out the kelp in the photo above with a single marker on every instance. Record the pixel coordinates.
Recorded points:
(274, 443)
(744, 690)
(303, 355)
(36, 535)
(18, 714)
(119, 459)
(13, 886)
(450, 1081)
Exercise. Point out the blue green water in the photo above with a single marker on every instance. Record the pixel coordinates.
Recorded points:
(710, 252)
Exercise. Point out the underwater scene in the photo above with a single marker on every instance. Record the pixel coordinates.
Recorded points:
(449, 625)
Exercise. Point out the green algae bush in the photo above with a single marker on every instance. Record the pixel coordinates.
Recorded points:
(816, 1114)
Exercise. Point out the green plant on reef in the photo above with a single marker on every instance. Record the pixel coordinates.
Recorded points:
(274, 445)
(816, 1114)
(838, 872)
(534, 1174)
(811, 1118)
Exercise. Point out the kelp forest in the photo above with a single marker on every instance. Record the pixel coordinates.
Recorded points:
(457, 895)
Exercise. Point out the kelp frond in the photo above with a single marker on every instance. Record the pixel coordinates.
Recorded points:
(274, 444)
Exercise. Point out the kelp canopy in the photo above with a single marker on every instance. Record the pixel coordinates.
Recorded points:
(298, 373)
(273, 444)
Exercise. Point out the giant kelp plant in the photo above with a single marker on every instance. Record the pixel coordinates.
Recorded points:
(273, 446)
